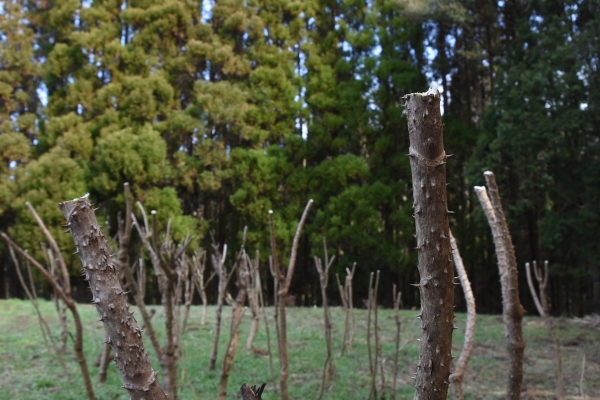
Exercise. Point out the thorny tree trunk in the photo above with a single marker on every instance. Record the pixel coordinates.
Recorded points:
(542, 279)
(512, 311)
(284, 287)
(436, 286)
(219, 265)
(236, 319)
(111, 302)
(329, 368)
(461, 365)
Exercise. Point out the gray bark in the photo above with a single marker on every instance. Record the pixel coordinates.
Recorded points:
(122, 331)
(512, 311)
(436, 286)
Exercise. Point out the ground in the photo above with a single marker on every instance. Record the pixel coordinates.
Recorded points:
(27, 371)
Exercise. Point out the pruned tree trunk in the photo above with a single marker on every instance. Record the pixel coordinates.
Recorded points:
(542, 279)
(397, 303)
(284, 287)
(121, 328)
(254, 288)
(436, 286)
(219, 265)
(373, 358)
(167, 260)
(236, 319)
(461, 365)
(512, 311)
(329, 368)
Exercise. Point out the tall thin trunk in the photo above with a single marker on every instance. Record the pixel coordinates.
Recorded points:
(436, 286)
(512, 311)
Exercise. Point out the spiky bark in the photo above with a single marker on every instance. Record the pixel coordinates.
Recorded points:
(122, 331)
(512, 311)
(436, 286)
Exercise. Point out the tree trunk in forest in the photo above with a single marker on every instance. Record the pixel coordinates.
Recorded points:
(512, 311)
(436, 286)
(461, 365)
(122, 331)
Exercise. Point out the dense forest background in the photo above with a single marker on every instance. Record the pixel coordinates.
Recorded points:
(217, 111)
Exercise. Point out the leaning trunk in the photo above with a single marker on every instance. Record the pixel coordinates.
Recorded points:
(436, 286)
(512, 311)
(122, 331)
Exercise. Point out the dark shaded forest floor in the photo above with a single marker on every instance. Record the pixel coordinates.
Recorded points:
(27, 371)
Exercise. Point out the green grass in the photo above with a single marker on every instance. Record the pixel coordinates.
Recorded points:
(27, 371)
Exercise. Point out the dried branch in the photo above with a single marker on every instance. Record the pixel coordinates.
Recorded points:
(461, 365)
(236, 318)
(78, 342)
(44, 328)
(218, 261)
(513, 312)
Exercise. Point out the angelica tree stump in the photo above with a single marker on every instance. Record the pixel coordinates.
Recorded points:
(436, 286)
(122, 332)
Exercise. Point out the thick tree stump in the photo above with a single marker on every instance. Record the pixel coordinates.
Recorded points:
(428, 165)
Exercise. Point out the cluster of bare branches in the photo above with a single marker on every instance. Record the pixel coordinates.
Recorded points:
(61, 286)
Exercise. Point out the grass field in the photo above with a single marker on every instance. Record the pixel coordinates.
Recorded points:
(27, 371)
